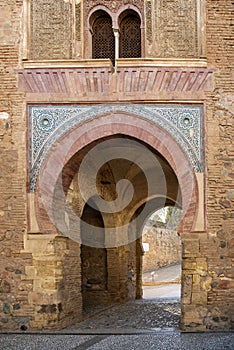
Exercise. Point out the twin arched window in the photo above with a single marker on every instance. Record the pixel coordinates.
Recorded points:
(128, 38)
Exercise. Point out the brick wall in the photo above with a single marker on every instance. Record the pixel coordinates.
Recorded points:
(218, 249)
(13, 291)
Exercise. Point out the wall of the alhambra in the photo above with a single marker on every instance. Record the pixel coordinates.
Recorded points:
(208, 258)
(13, 291)
(164, 247)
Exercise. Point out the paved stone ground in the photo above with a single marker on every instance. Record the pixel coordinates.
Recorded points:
(142, 314)
(157, 341)
(146, 313)
(139, 325)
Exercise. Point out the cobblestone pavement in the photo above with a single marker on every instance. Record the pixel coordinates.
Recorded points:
(142, 314)
(139, 325)
(156, 341)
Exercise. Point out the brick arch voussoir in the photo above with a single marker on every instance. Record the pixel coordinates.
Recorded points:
(109, 125)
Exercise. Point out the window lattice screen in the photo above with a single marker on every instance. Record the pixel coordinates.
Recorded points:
(130, 37)
(103, 45)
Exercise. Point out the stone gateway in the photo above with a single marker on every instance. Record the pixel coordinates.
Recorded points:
(109, 111)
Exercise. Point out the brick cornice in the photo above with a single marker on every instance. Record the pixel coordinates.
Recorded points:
(130, 79)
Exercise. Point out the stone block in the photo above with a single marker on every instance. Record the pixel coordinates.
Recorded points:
(190, 248)
(206, 283)
(49, 284)
(190, 312)
(196, 283)
(201, 266)
(25, 286)
(186, 289)
(189, 264)
(199, 298)
(29, 273)
(35, 298)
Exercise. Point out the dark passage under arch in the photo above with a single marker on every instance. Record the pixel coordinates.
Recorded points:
(93, 259)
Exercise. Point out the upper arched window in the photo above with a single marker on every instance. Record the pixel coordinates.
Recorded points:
(130, 35)
(103, 40)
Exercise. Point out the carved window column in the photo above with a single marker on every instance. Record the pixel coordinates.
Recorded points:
(116, 34)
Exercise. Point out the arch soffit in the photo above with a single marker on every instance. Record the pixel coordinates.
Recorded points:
(162, 201)
(153, 209)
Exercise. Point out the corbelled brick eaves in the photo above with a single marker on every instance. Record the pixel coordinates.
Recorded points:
(130, 79)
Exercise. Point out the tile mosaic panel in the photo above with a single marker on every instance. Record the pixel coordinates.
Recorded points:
(48, 124)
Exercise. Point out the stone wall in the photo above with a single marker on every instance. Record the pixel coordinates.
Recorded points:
(14, 308)
(164, 247)
(55, 279)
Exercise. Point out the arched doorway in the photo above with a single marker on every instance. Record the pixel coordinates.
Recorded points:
(122, 151)
(130, 178)
(162, 255)
(93, 259)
